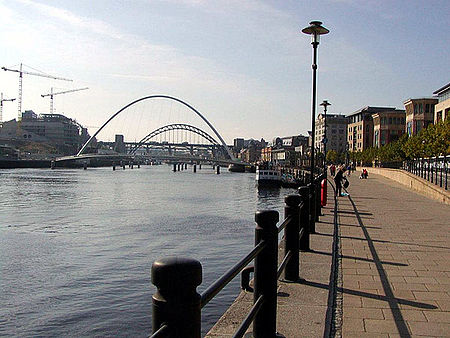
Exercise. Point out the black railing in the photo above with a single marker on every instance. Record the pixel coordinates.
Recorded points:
(432, 169)
(177, 305)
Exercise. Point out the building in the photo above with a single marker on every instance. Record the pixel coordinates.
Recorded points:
(388, 126)
(57, 130)
(336, 132)
(442, 107)
(238, 144)
(360, 127)
(419, 114)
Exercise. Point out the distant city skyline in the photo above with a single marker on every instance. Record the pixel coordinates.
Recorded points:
(245, 65)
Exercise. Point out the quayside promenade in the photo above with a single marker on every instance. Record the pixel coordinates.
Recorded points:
(392, 276)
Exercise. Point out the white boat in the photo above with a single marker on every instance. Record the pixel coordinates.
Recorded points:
(266, 175)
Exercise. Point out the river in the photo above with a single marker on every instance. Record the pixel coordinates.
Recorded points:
(76, 246)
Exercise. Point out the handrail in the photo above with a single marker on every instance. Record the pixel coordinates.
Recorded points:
(283, 263)
(162, 331)
(283, 224)
(432, 169)
(219, 284)
(177, 305)
(248, 320)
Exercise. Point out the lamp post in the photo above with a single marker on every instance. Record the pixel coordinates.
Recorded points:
(315, 29)
(325, 104)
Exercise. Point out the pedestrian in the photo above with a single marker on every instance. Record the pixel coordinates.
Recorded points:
(349, 169)
(338, 178)
(332, 169)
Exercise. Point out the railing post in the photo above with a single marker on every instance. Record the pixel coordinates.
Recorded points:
(304, 218)
(265, 275)
(312, 208)
(291, 232)
(318, 206)
(176, 302)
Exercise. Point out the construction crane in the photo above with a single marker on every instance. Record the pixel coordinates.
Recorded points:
(21, 72)
(1, 105)
(51, 94)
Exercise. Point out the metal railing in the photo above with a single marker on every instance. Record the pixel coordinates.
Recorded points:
(177, 305)
(432, 169)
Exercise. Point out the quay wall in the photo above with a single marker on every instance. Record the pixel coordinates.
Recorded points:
(413, 182)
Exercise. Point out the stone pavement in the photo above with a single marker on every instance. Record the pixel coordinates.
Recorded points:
(395, 247)
(393, 275)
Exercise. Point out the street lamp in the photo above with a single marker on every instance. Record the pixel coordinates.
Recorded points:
(315, 29)
(325, 104)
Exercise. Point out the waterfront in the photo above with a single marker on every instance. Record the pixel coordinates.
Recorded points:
(76, 246)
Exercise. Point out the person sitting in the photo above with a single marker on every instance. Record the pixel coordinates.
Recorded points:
(364, 173)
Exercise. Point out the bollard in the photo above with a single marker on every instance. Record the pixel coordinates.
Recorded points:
(139, 165)
(85, 165)
(200, 166)
(185, 166)
(174, 167)
(318, 204)
(312, 208)
(194, 168)
(304, 218)
(52, 164)
(176, 303)
(291, 234)
(114, 166)
(179, 167)
(218, 170)
(265, 276)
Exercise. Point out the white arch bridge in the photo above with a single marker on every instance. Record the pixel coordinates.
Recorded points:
(149, 148)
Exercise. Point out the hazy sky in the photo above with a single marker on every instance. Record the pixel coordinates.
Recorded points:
(244, 64)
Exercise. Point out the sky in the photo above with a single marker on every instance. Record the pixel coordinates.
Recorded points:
(244, 65)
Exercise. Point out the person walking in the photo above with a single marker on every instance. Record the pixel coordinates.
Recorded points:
(338, 178)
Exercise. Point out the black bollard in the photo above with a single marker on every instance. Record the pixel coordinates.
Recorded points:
(291, 272)
(200, 166)
(304, 218)
(312, 208)
(114, 166)
(318, 206)
(85, 165)
(218, 170)
(174, 167)
(176, 302)
(194, 168)
(139, 165)
(185, 166)
(265, 275)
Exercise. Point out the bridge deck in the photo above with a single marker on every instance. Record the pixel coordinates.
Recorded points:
(394, 269)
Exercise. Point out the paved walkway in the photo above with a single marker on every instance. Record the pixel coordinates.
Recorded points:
(394, 270)
(395, 261)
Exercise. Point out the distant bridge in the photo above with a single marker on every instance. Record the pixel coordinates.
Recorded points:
(183, 151)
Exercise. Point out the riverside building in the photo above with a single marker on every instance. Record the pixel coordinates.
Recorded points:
(442, 107)
(419, 114)
(388, 126)
(336, 132)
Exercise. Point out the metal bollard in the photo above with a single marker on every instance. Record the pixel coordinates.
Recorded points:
(52, 164)
(176, 302)
(291, 272)
(85, 165)
(174, 167)
(194, 168)
(318, 206)
(218, 170)
(312, 208)
(265, 276)
(304, 218)
(185, 166)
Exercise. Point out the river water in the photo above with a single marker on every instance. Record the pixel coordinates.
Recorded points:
(76, 246)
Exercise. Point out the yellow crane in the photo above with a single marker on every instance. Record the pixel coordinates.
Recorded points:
(1, 105)
(21, 72)
(51, 94)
